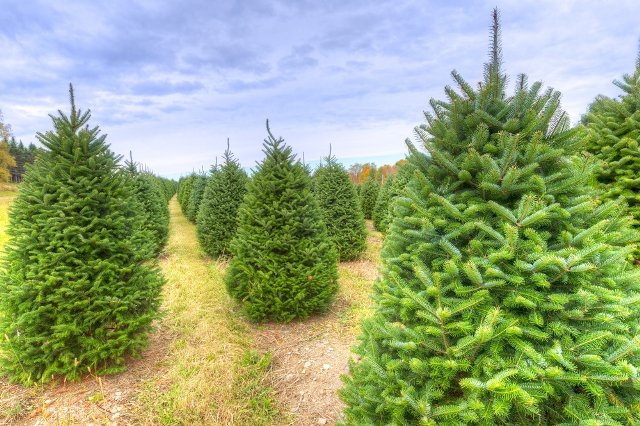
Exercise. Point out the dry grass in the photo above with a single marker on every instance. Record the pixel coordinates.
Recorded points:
(311, 355)
(212, 374)
(5, 202)
(8, 189)
(356, 279)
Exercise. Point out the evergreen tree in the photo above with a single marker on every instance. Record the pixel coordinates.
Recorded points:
(195, 197)
(155, 210)
(381, 209)
(341, 211)
(23, 155)
(400, 181)
(283, 265)
(184, 194)
(369, 196)
(505, 297)
(614, 130)
(78, 287)
(218, 216)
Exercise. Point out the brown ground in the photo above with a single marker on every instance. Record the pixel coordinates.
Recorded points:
(106, 400)
(308, 359)
(309, 356)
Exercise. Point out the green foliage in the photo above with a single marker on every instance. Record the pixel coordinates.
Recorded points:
(381, 209)
(78, 287)
(505, 295)
(614, 137)
(149, 192)
(283, 265)
(184, 192)
(400, 181)
(195, 197)
(369, 196)
(218, 216)
(23, 155)
(340, 209)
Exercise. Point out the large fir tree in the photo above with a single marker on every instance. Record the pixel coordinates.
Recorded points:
(614, 130)
(218, 216)
(340, 209)
(78, 287)
(368, 196)
(283, 265)
(505, 295)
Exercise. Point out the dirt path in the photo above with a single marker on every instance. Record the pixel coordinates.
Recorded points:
(206, 364)
(195, 370)
(309, 356)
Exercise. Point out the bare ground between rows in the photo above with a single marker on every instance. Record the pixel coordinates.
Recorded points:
(310, 356)
(106, 400)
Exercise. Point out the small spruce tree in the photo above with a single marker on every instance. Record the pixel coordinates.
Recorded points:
(151, 196)
(340, 209)
(400, 181)
(195, 197)
(368, 197)
(218, 216)
(614, 137)
(381, 209)
(78, 287)
(505, 297)
(184, 194)
(283, 265)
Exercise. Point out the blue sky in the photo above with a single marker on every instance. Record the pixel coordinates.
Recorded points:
(172, 80)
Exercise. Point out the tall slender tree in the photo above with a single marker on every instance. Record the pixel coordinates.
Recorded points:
(505, 297)
(79, 287)
(195, 197)
(218, 216)
(368, 196)
(283, 265)
(340, 209)
(155, 209)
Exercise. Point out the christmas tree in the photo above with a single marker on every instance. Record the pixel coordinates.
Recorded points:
(368, 196)
(340, 209)
(195, 197)
(184, 192)
(505, 295)
(155, 210)
(381, 209)
(78, 288)
(614, 137)
(283, 265)
(218, 216)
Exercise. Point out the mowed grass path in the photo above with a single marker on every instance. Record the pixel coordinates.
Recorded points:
(212, 374)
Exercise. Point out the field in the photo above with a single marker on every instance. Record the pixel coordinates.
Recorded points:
(8, 189)
(206, 364)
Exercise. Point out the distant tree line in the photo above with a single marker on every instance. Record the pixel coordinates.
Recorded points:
(22, 155)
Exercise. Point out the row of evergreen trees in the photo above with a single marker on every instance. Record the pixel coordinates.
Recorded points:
(79, 283)
(284, 229)
(22, 155)
(507, 295)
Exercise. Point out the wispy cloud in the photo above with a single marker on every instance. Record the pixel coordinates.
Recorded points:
(172, 80)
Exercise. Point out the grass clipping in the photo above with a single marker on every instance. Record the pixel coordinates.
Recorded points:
(212, 374)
